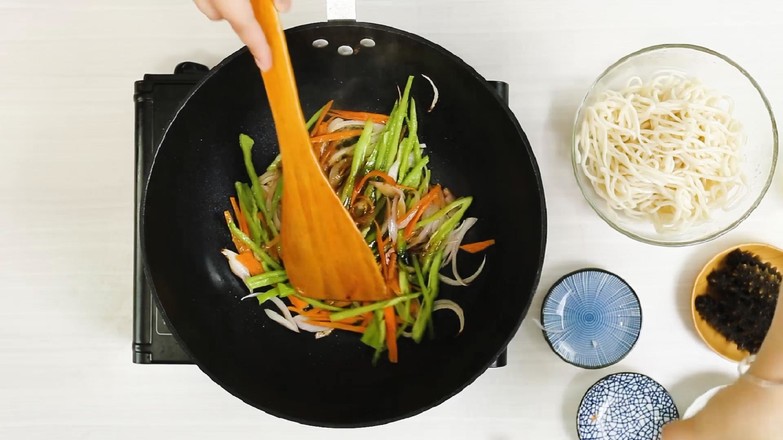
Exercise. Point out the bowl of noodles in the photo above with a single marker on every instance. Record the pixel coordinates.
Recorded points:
(674, 145)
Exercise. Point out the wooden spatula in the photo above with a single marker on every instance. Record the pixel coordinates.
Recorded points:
(325, 255)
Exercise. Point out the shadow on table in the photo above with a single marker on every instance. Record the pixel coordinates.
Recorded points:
(691, 387)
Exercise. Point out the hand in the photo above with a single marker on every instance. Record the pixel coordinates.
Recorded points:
(239, 13)
(741, 411)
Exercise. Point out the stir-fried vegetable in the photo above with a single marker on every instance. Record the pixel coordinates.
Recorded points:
(378, 168)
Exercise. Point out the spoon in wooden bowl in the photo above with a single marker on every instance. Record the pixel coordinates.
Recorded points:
(324, 253)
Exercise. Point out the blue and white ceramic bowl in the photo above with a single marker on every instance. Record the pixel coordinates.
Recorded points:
(625, 406)
(591, 318)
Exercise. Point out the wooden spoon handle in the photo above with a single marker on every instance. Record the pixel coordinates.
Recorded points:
(280, 84)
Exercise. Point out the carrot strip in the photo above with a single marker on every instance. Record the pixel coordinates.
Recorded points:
(381, 248)
(391, 333)
(321, 117)
(360, 116)
(420, 208)
(338, 325)
(392, 278)
(414, 307)
(240, 218)
(297, 302)
(477, 246)
(366, 319)
(336, 136)
(313, 313)
(322, 128)
(249, 261)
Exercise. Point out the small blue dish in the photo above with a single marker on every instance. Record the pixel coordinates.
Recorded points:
(625, 406)
(591, 318)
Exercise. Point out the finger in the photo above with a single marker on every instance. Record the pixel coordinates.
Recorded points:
(679, 430)
(239, 13)
(207, 8)
(283, 5)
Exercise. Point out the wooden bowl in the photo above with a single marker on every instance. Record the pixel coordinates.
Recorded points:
(709, 335)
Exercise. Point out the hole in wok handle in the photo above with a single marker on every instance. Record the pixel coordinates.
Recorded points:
(320, 43)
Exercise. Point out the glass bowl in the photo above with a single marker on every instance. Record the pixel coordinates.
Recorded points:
(758, 154)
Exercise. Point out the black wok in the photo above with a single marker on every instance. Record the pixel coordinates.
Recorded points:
(476, 148)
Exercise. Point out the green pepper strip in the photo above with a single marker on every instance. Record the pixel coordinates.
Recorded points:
(276, 197)
(257, 251)
(314, 118)
(318, 304)
(436, 242)
(246, 143)
(396, 126)
(356, 311)
(381, 149)
(429, 294)
(266, 279)
(250, 211)
(358, 159)
(413, 142)
(413, 178)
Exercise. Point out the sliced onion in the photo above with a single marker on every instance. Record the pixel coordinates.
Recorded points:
(274, 316)
(252, 295)
(425, 232)
(236, 267)
(407, 219)
(458, 280)
(333, 124)
(448, 197)
(454, 240)
(286, 313)
(392, 220)
(276, 219)
(339, 172)
(434, 93)
(338, 155)
(394, 169)
(268, 176)
(270, 193)
(422, 145)
(301, 322)
(454, 307)
(388, 190)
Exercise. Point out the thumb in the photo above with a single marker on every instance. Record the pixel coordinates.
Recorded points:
(679, 430)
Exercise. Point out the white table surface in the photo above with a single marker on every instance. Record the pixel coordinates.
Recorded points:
(66, 205)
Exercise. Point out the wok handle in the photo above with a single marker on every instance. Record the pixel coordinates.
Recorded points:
(501, 88)
(501, 360)
(337, 10)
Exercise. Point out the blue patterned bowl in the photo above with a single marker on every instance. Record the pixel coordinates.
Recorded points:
(591, 318)
(625, 406)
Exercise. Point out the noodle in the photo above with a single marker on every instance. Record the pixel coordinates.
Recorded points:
(665, 151)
